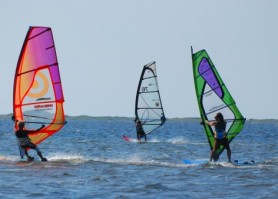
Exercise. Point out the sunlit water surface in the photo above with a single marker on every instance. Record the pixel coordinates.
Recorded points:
(89, 159)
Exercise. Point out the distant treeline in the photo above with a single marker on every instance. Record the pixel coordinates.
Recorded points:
(86, 117)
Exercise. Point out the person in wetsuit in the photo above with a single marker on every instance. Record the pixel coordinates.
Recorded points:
(140, 131)
(220, 136)
(21, 150)
(25, 142)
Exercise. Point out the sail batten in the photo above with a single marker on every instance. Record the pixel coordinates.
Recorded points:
(42, 32)
(148, 106)
(50, 47)
(216, 110)
(38, 68)
(38, 95)
(213, 96)
(149, 92)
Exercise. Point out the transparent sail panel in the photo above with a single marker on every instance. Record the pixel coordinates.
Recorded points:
(149, 107)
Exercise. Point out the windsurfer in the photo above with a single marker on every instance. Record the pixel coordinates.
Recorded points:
(140, 131)
(25, 142)
(21, 150)
(220, 136)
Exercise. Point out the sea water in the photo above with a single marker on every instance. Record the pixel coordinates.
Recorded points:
(89, 159)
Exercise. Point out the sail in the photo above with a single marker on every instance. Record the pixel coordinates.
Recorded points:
(38, 96)
(213, 97)
(148, 106)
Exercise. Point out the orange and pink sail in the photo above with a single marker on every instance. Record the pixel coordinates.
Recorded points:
(38, 95)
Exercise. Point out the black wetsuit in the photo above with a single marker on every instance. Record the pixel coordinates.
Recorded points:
(220, 137)
(24, 140)
(140, 131)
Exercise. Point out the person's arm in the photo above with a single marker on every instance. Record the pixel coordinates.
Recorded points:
(210, 123)
(40, 128)
(35, 131)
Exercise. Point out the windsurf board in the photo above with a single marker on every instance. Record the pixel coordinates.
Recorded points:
(187, 161)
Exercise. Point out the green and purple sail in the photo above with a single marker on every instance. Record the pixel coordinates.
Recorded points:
(213, 97)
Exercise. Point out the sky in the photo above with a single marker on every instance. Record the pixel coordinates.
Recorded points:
(102, 46)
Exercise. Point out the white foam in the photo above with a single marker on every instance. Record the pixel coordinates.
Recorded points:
(178, 140)
(136, 159)
(9, 158)
(71, 158)
(154, 140)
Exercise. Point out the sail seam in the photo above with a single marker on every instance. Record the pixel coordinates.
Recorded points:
(221, 108)
(39, 34)
(49, 47)
(221, 86)
(201, 74)
(148, 92)
(39, 68)
(149, 108)
(149, 77)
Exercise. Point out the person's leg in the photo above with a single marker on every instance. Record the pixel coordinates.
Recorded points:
(227, 147)
(212, 154)
(229, 154)
(216, 146)
(40, 154)
(29, 158)
(33, 146)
